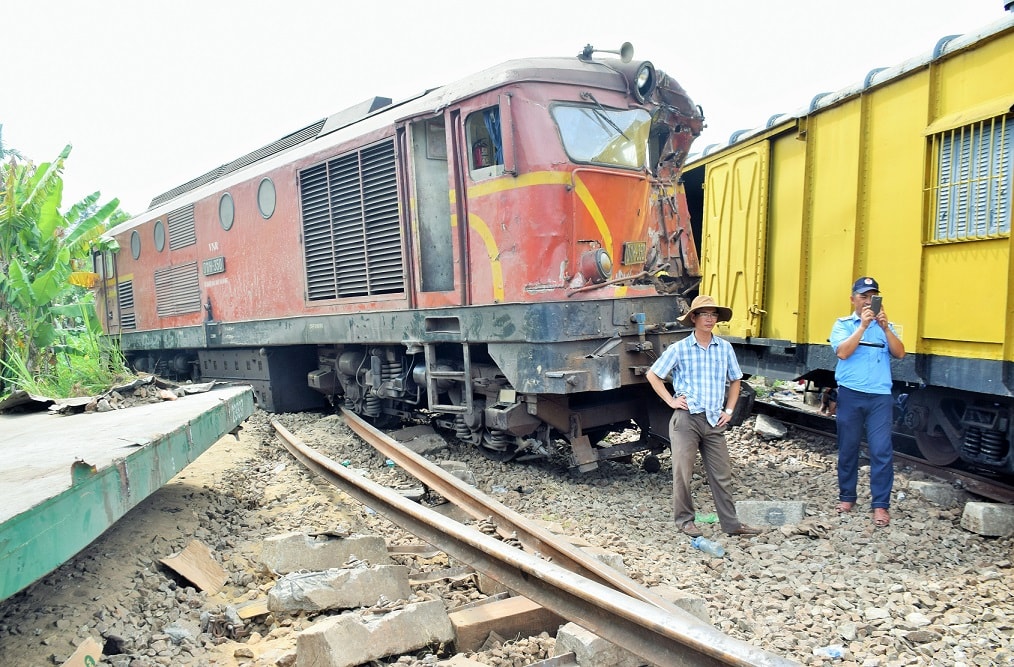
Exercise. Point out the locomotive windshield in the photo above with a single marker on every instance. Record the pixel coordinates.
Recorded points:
(602, 136)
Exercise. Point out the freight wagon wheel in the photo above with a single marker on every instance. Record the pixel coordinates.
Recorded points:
(929, 418)
(937, 449)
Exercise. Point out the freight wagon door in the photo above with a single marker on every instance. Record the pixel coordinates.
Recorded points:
(733, 236)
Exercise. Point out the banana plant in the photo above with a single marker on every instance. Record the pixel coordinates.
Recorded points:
(39, 248)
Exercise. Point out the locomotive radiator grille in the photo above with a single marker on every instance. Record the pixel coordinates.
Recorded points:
(352, 226)
(177, 290)
(125, 301)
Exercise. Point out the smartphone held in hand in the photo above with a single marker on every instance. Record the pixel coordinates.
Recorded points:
(875, 304)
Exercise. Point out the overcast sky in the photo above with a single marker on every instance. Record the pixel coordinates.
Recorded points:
(154, 93)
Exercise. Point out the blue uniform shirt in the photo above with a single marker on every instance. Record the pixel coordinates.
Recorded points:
(700, 373)
(869, 368)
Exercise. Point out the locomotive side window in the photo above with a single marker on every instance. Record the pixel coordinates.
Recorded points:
(266, 198)
(608, 137)
(485, 142)
(972, 189)
(159, 233)
(226, 211)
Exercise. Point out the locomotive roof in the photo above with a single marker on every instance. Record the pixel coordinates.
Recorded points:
(944, 47)
(376, 113)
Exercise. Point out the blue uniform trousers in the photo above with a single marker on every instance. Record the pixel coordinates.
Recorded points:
(872, 413)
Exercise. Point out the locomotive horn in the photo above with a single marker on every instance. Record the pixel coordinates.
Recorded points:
(626, 52)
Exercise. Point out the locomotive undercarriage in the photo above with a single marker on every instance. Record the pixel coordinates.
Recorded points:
(460, 389)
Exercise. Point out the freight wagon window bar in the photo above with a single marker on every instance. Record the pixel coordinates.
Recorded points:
(972, 168)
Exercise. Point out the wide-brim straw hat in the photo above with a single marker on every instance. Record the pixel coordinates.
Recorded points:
(705, 301)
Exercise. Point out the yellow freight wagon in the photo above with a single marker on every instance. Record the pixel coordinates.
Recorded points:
(907, 177)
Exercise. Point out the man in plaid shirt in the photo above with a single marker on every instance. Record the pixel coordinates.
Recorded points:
(705, 379)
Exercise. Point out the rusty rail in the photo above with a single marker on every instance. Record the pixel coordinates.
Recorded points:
(509, 523)
(657, 635)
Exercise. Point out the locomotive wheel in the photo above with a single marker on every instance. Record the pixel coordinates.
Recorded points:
(937, 449)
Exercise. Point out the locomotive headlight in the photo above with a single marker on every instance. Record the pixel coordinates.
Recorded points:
(596, 265)
(640, 77)
(644, 81)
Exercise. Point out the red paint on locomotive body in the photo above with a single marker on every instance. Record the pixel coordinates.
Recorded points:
(443, 231)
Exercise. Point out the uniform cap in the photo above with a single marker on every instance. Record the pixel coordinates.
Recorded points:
(865, 284)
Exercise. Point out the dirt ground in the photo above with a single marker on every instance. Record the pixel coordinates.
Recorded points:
(43, 624)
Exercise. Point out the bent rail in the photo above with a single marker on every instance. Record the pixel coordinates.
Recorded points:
(660, 636)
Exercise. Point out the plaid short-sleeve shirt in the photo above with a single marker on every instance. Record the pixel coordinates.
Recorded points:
(700, 373)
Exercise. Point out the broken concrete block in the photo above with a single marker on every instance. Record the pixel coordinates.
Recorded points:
(939, 493)
(610, 558)
(770, 512)
(353, 638)
(685, 601)
(489, 586)
(298, 551)
(509, 617)
(769, 428)
(339, 588)
(591, 650)
(459, 470)
(421, 439)
(992, 519)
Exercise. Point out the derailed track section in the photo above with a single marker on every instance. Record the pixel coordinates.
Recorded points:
(657, 633)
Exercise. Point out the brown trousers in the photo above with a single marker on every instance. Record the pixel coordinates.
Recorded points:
(689, 433)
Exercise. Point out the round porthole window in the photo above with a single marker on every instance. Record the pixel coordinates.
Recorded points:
(266, 198)
(135, 244)
(159, 236)
(226, 211)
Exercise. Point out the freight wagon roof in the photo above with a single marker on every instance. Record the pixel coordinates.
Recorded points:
(944, 48)
(372, 115)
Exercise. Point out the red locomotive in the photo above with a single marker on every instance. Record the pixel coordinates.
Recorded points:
(506, 253)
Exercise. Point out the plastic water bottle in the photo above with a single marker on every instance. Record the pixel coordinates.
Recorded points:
(707, 546)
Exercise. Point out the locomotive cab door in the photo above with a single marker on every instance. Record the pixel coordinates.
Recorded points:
(437, 247)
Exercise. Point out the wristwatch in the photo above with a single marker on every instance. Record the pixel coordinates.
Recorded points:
(728, 411)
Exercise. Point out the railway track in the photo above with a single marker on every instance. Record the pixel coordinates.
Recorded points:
(548, 570)
(905, 451)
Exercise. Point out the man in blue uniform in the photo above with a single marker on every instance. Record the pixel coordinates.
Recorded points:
(705, 379)
(864, 342)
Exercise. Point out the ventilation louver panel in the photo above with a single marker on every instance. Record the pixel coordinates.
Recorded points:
(182, 231)
(125, 301)
(352, 225)
(177, 290)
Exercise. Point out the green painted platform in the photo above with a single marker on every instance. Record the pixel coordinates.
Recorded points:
(65, 479)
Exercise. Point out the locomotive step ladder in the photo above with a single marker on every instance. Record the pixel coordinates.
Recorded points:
(434, 375)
